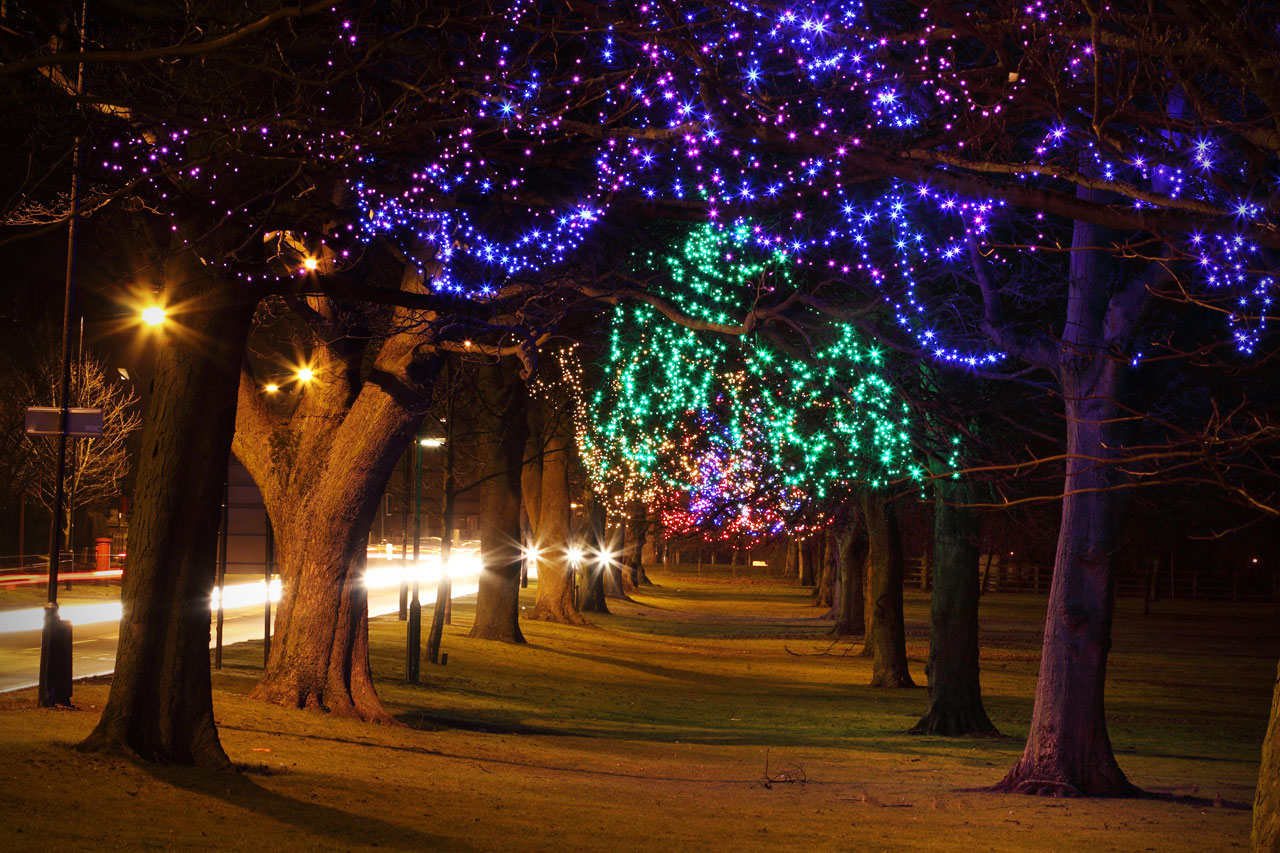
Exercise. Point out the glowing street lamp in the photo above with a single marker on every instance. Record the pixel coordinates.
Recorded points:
(305, 374)
(153, 315)
(271, 388)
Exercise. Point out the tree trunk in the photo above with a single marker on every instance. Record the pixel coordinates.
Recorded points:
(851, 546)
(614, 568)
(804, 554)
(1266, 802)
(639, 531)
(504, 429)
(161, 706)
(320, 647)
(322, 472)
(555, 601)
(1068, 750)
(825, 593)
(531, 484)
(886, 633)
(955, 695)
(591, 592)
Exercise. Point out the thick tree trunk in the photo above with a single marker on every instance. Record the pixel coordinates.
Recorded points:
(320, 648)
(955, 695)
(502, 423)
(555, 602)
(322, 472)
(851, 548)
(160, 706)
(1068, 750)
(1266, 802)
(886, 633)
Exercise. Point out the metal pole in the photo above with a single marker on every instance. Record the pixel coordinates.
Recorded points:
(74, 451)
(22, 527)
(404, 546)
(55, 640)
(222, 575)
(413, 644)
(266, 608)
(446, 540)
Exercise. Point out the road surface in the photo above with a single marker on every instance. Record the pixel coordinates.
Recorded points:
(95, 627)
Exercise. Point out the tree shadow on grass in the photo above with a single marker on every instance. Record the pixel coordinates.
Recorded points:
(337, 825)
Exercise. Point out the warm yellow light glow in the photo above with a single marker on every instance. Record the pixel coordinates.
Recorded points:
(305, 374)
(575, 555)
(272, 388)
(467, 344)
(431, 442)
(153, 316)
(310, 264)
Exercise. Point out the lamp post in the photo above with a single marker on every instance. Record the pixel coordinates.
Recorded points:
(444, 587)
(404, 545)
(54, 685)
(413, 642)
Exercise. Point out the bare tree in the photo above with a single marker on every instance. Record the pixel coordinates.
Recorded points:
(95, 466)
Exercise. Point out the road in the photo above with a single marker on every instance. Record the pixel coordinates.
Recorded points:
(95, 627)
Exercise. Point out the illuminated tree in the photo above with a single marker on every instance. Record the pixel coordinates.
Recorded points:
(884, 146)
(752, 429)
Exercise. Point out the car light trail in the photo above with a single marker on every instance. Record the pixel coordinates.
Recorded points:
(255, 593)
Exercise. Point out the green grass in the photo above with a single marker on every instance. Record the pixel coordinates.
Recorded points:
(653, 729)
(81, 592)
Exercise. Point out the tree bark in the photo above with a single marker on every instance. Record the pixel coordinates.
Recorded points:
(160, 707)
(825, 592)
(504, 430)
(804, 555)
(1266, 802)
(322, 471)
(851, 547)
(886, 633)
(635, 552)
(955, 694)
(591, 592)
(531, 483)
(1068, 750)
(555, 602)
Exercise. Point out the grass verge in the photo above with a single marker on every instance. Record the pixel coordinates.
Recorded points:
(659, 727)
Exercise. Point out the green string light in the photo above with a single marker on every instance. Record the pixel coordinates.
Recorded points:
(737, 426)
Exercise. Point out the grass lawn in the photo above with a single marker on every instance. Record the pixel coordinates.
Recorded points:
(656, 728)
(81, 592)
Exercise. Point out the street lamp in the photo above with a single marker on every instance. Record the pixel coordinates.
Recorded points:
(153, 315)
(413, 642)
